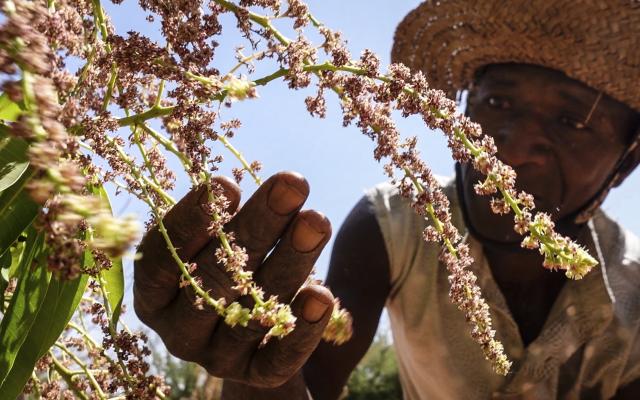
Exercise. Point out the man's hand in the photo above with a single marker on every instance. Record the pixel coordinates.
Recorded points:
(282, 243)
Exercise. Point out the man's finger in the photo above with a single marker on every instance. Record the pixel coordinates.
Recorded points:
(290, 263)
(282, 274)
(260, 223)
(274, 364)
(257, 226)
(156, 274)
(187, 323)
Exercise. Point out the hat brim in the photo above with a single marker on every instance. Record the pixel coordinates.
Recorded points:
(593, 41)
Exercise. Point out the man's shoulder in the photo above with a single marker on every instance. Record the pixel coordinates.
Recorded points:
(388, 190)
(621, 245)
(621, 255)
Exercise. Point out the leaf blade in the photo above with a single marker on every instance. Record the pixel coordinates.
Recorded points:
(113, 277)
(114, 286)
(17, 212)
(13, 161)
(58, 307)
(25, 304)
(9, 111)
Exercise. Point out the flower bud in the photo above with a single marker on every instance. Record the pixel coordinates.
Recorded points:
(113, 235)
(240, 88)
(236, 314)
(340, 326)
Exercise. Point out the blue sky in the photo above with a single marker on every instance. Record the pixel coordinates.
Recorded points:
(337, 161)
(278, 130)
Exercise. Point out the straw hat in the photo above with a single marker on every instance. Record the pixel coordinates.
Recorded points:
(594, 41)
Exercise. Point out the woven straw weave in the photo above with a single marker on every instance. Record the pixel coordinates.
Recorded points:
(594, 41)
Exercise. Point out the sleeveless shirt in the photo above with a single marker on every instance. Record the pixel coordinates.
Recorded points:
(587, 349)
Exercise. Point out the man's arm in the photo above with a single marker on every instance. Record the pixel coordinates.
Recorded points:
(629, 392)
(359, 276)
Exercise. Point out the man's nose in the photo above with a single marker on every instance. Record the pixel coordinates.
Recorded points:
(522, 141)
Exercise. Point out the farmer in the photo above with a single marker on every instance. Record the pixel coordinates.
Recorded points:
(556, 84)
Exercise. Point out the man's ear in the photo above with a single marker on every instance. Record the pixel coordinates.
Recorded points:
(629, 162)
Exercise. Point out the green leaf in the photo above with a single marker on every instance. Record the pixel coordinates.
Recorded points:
(114, 286)
(57, 309)
(113, 278)
(9, 111)
(17, 212)
(5, 264)
(16, 251)
(25, 304)
(13, 161)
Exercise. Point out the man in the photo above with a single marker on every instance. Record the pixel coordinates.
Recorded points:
(555, 84)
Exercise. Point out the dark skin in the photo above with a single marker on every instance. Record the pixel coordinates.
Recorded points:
(525, 108)
(561, 160)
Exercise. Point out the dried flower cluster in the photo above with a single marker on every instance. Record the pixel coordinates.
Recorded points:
(28, 41)
(93, 370)
(74, 124)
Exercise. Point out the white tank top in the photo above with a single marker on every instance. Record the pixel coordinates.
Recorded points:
(587, 348)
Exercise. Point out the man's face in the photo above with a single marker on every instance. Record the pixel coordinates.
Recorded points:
(540, 120)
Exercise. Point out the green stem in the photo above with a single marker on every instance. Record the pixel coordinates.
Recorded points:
(199, 78)
(67, 376)
(36, 384)
(473, 149)
(100, 20)
(160, 111)
(314, 21)
(159, 94)
(153, 112)
(82, 330)
(513, 203)
(431, 211)
(84, 368)
(242, 62)
(112, 328)
(257, 298)
(259, 19)
(93, 371)
(166, 196)
(160, 394)
(27, 92)
(241, 158)
(110, 86)
(215, 304)
(266, 79)
(169, 146)
(144, 180)
(84, 334)
(83, 72)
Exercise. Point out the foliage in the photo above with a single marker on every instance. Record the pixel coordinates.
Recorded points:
(376, 377)
(187, 380)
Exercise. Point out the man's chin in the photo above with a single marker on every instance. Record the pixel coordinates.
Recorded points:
(486, 225)
(498, 228)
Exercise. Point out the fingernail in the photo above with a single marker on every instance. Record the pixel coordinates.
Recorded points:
(284, 198)
(314, 309)
(307, 235)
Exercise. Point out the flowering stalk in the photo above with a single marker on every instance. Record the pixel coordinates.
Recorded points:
(91, 370)
(559, 252)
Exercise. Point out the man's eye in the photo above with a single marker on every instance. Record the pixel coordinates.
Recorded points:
(573, 123)
(498, 102)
